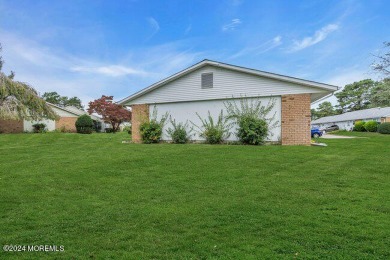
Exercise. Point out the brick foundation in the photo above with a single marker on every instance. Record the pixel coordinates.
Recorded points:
(67, 122)
(296, 119)
(11, 126)
(139, 114)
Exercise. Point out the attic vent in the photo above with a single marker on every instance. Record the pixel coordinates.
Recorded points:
(207, 80)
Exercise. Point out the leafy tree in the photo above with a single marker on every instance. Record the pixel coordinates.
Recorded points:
(74, 101)
(383, 63)
(63, 101)
(1, 58)
(380, 94)
(355, 96)
(324, 109)
(111, 113)
(314, 114)
(52, 97)
(19, 100)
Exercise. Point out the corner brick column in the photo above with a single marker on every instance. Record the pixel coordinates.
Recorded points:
(139, 114)
(296, 119)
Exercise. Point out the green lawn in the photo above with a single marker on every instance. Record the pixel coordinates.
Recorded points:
(103, 199)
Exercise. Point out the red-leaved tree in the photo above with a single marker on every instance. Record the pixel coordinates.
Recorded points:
(111, 113)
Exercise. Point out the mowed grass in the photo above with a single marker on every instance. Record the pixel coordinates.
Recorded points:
(103, 199)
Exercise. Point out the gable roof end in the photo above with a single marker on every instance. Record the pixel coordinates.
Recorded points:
(230, 67)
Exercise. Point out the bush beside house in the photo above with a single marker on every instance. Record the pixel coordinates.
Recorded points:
(371, 126)
(39, 128)
(84, 124)
(384, 128)
(179, 133)
(359, 126)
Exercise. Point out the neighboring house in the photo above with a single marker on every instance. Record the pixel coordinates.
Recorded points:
(67, 119)
(347, 120)
(205, 87)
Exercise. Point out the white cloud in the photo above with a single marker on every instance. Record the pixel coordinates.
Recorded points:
(318, 36)
(48, 69)
(154, 25)
(188, 29)
(262, 48)
(232, 25)
(110, 70)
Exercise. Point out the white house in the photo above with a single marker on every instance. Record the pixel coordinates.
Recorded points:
(206, 85)
(67, 117)
(347, 120)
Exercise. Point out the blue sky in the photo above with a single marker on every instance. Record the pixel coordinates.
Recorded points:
(90, 48)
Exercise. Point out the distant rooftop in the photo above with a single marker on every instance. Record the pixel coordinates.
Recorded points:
(355, 115)
(76, 111)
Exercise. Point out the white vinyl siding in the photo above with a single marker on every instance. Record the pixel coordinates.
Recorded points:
(186, 112)
(28, 125)
(226, 84)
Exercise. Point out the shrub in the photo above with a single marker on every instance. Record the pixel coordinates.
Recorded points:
(39, 128)
(84, 124)
(127, 129)
(252, 130)
(359, 126)
(371, 126)
(151, 130)
(384, 128)
(179, 133)
(252, 119)
(109, 130)
(214, 133)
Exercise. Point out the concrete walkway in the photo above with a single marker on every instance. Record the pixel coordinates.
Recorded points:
(330, 136)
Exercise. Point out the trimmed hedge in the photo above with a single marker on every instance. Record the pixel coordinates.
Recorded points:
(84, 124)
(359, 126)
(384, 128)
(371, 126)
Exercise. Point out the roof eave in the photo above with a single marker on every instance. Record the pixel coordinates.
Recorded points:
(327, 87)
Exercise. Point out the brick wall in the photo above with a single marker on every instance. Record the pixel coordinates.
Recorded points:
(67, 122)
(296, 119)
(385, 119)
(11, 126)
(140, 114)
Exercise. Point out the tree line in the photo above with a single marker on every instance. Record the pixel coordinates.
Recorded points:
(363, 94)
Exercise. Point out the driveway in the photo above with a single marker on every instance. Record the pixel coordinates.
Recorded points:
(330, 136)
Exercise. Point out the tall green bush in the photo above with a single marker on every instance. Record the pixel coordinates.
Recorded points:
(179, 132)
(384, 128)
(214, 132)
(252, 119)
(84, 124)
(371, 126)
(151, 130)
(252, 130)
(359, 126)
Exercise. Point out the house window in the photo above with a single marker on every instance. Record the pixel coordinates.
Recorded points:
(207, 80)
